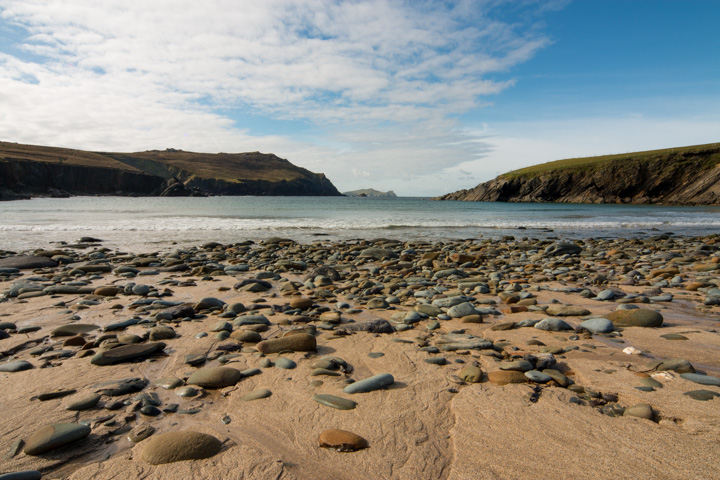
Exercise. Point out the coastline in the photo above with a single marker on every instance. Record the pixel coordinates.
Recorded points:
(471, 303)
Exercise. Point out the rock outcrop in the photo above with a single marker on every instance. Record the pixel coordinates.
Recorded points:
(369, 192)
(27, 171)
(690, 176)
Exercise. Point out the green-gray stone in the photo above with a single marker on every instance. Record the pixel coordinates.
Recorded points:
(256, 395)
(335, 402)
(702, 395)
(55, 436)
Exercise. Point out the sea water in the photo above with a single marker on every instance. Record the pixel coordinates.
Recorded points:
(152, 223)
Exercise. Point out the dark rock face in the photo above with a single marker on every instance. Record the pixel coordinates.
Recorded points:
(684, 178)
(27, 171)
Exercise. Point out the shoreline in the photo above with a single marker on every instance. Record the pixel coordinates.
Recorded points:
(477, 390)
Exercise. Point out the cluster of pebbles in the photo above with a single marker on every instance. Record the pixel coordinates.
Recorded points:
(500, 313)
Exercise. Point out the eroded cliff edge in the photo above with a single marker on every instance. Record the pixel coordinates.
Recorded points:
(28, 170)
(685, 176)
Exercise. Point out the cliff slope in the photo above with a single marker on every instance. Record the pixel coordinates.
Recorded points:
(29, 170)
(679, 176)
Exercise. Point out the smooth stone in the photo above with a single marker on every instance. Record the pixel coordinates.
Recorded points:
(23, 262)
(702, 395)
(209, 303)
(84, 402)
(457, 341)
(55, 436)
(597, 325)
(187, 391)
(557, 376)
(215, 377)
(462, 310)
(126, 353)
(55, 394)
(701, 379)
(335, 402)
(342, 440)
(641, 410)
(538, 376)
(284, 363)
(140, 289)
(324, 371)
(161, 333)
(116, 388)
(256, 395)
(140, 433)
(106, 291)
(302, 342)
(436, 360)
(471, 374)
(150, 411)
(247, 336)
(639, 317)
(376, 354)
(567, 311)
(553, 325)
(504, 377)
(375, 382)
(169, 383)
(178, 446)
(16, 366)
(517, 365)
(22, 475)
(679, 365)
(645, 389)
(73, 329)
(650, 382)
(674, 336)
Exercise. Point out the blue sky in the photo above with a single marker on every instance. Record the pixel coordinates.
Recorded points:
(419, 97)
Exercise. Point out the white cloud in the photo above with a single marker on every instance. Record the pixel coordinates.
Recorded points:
(377, 79)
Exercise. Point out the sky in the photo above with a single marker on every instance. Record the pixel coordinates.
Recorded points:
(419, 97)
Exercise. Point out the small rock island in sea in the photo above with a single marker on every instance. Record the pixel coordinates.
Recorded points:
(380, 359)
(369, 192)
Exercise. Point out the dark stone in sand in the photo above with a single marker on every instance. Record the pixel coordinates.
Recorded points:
(302, 342)
(16, 366)
(375, 382)
(702, 395)
(27, 261)
(55, 436)
(73, 329)
(127, 353)
(22, 475)
(215, 377)
(116, 388)
(373, 326)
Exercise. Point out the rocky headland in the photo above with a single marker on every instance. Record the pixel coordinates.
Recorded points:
(28, 170)
(591, 359)
(681, 176)
(369, 192)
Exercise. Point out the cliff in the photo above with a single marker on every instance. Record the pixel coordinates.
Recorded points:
(28, 170)
(679, 176)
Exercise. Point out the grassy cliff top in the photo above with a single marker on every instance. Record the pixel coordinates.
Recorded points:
(231, 167)
(710, 150)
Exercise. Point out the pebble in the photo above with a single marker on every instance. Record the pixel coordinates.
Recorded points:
(370, 384)
(301, 342)
(701, 379)
(639, 317)
(335, 402)
(16, 366)
(178, 446)
(215, 377)
(553, 325)
(597, 325)
(126, 353)
(342, 440)
(256, 395)
(55, 436)
(83, 402)
(641, 410)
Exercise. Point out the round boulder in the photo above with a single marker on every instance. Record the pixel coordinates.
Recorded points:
(178, 446)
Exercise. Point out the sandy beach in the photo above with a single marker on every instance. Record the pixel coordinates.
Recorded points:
(520, 358)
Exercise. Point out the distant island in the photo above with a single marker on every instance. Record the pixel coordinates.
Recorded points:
(28, 170)
(369, 192)
(673, 176)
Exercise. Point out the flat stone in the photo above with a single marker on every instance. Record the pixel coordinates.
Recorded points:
(106, 291)
(679, 365)
(567, 311)
(215, 377)
(126, 353)
(553, 325)
(517, 365)
(23, 262)
(284, 363)
(55, 436)
(16, 366)
(83, 402)
(702, 395)
(537, 376)
(372, 326)
(641, 410)
(169, 383)
(178, 446)
(674, 336)
(557, 376)
(503, 377)
(22, 475)
(462, 310)
(701, 379)
(375, 382)
(73, 329)
(301, 342)
(597, 325)
(256, 395)
(342, 440)
(161, 332)
(638, 317)
(455, 341)
(334, 402)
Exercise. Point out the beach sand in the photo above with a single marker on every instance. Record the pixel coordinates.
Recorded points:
(429, 423)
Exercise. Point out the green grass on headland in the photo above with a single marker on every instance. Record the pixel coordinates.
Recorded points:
(594, 162)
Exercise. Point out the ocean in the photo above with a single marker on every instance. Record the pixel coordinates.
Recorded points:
(148, 224)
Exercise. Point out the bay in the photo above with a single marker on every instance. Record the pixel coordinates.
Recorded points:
(144, 224)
